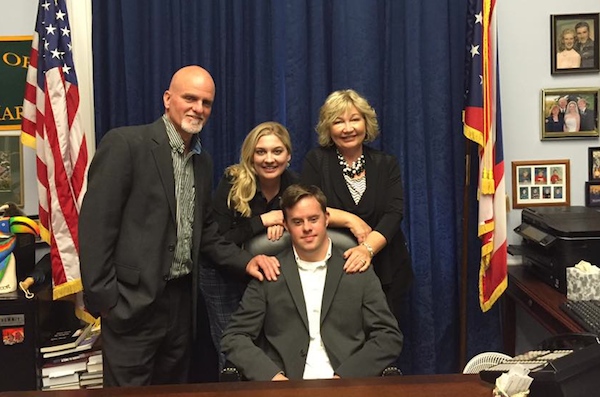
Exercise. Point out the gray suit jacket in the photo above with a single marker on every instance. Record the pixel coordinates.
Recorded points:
(269, 332)
(127, 224)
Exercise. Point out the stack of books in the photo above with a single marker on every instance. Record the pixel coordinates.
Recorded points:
(66, 356)
(92, 378)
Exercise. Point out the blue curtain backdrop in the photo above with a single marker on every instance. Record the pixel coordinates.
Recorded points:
(278, 60)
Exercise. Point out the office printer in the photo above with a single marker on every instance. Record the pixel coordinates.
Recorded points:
(555, 238)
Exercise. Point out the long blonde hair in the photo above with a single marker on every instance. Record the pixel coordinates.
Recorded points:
(243, 176)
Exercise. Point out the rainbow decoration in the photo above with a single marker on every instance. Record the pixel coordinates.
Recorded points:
(9, 226)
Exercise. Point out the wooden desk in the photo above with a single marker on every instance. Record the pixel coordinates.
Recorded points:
(421, 385)
(538, 299)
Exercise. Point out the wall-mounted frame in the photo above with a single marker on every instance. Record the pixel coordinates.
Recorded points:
(592, 194)
(574, 43)
(541, 183)
(15, 52)
(11, 168)
(569, 113)
(594, 163)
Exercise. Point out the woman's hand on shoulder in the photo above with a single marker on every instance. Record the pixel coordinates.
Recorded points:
(263, 266)
(358, 259)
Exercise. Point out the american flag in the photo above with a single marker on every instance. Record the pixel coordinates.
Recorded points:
(482, 124)
(51, 125)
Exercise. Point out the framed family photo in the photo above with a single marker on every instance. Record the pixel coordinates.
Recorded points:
(541, 183)
(594, 164)
(574, 43)
(569, 113)
(592, 194)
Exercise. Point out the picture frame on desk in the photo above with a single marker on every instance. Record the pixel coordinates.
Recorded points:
(541, 183)
(569, 113)
(574, 43)
(594, 163)
(592, 194)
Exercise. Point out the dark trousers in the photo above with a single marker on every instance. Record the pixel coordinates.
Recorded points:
(222, 293)
(398, 301)
(157, 351)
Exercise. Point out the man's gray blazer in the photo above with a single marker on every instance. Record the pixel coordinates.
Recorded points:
(269, 332)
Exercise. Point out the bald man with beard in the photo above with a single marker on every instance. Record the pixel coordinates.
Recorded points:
(145, 220)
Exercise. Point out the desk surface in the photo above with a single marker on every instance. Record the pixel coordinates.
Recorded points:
(542, 301)
(539, 300)
(421, 385)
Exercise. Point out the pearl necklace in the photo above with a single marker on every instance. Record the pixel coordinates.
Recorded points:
(353, 170)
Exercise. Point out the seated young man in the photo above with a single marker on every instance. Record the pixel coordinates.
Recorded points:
(315, 321)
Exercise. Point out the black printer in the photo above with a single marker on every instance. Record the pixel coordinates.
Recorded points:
(555, 238)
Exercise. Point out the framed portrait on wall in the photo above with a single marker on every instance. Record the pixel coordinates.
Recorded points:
(541, 183)
(574, 43)
(11, 166)
(592, 194)
(594, 164)
(569, 113)
(15, 52)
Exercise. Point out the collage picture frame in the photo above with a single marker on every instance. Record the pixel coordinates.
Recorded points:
(541, 183)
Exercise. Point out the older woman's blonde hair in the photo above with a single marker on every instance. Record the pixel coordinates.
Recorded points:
(243, 175)
(336, 104)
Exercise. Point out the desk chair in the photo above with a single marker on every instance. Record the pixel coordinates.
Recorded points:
(342, 239)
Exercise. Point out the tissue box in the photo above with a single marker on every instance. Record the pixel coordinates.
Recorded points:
(582, 286)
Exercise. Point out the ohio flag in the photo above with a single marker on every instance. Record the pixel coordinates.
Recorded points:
(482, 124)
(51, 126)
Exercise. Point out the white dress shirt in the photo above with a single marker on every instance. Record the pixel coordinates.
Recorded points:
(312, 277)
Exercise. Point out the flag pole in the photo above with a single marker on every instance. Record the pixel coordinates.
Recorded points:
(465, 260)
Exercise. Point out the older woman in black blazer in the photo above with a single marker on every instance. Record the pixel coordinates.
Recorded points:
(364, 192)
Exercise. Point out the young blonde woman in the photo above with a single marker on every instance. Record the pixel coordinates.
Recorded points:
(246, 207)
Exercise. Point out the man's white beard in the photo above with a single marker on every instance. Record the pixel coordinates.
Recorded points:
(191, 127)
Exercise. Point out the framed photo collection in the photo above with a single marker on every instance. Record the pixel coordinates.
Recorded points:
(541, 183)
